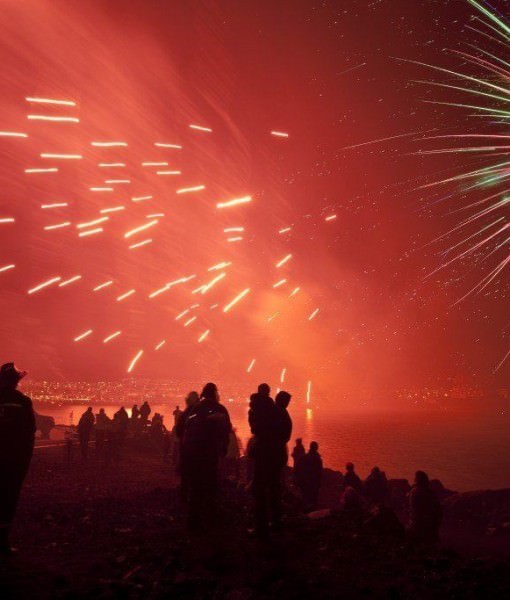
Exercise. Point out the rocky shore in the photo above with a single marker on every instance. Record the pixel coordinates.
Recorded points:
(90, 531)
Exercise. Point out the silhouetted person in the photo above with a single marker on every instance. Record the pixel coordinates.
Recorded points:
(101, 429)
(351, 479)
(283, 420)
(135, 412)
(85, 426)
(205, 442)
(157, 425)
(261, 413)
(177, 415)
(145, 411)
(271, 427)
(231, 463)
(376, 486)
(121, 419)
(298, 452)
(17, 434)
(309, 475)
(191, 401)
(425, 511)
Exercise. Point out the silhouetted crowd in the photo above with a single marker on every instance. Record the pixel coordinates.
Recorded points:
(204, 447)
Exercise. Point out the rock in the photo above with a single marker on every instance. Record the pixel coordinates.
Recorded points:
(319, 514)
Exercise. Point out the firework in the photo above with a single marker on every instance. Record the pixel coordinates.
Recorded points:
(83, 335)
(6, 268)
(234, 202)
(188, 190)
(482, 234)
(43, 285)
(112, 336)
(237, 299)
(134, 360)
(69, 281)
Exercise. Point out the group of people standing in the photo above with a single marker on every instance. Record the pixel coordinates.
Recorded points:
(204, 437)
(110, 433)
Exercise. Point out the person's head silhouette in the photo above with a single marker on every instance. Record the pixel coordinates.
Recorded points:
(264, 389)
(210, 392)
(282, 399)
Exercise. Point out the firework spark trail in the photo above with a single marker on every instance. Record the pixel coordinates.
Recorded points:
(69, 281)
(140, 244)
(203, 336)
(91, 232)
(165, 145)
(112, 336)
(234, 202)
(53, 119)
(237, 299)
(279, 283)
(55, 205)
(83, 335)
(36, 100)
(143, 227)
(313, 314)
(251, 365)
(283, 261)
(43, 285)
(206, 287)
(14, 134)
(126, 295)
(102, 285)
(110, 153)
(6, 268)
(134, 360)
(188, 190)
(200, 128)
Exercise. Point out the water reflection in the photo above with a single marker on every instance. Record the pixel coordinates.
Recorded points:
(465, 451)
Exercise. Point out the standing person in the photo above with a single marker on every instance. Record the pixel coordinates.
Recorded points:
(309, 475)
(17, 435)
(270, 427)
(102, 423)
(283, 420)
(85, 426)
(425, 511)
(298, 452)
(192, 399)
(376, 487)
(205, 442)
(145, 411)
(177, 415)
(135, 412)
(351, 479)
(122, 422)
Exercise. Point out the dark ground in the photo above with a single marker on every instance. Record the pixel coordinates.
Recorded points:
(95, 532)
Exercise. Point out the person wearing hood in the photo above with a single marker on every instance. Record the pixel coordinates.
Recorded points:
(17, 436)
(205, 441)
